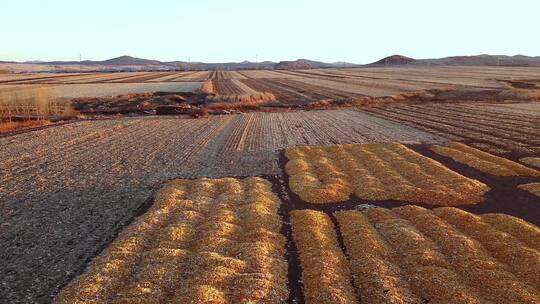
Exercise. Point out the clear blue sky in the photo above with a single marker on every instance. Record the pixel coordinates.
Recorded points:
(358, 31)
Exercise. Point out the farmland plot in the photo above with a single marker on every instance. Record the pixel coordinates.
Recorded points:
(192, 76)
(366, 86)
(65, 190)
(8, 78)
(512, 108)
(112, 89)
(484, 128)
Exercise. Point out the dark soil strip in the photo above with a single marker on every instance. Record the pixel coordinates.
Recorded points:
(294, 273)
(346, 253)
(504, 196)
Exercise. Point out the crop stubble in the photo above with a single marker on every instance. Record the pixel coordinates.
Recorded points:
(491, 129)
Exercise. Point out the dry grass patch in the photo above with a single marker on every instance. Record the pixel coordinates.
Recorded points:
(533, 188)
(445, 255)
(484, 161)
(203, 241)
(207, 87)
(329, 174)
(17, 125)
(29, 107)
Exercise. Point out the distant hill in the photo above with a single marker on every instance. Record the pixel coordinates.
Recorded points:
(483, 60)
(300, 64)
(310, 64)
(128, 60)
(129, 63)
(393, 60)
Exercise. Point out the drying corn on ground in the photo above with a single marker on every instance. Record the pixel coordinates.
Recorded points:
(329, 174)
(533, 188)
(220, 241)
(414, 255)
(483, 161)
(531, 161)
(203, 241)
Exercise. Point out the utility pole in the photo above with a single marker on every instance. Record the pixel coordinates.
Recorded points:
(256, 61)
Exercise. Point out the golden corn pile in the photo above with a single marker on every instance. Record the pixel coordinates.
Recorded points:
(484, 161)
(329, 174)
(533, 188)
(203, 241)
(532, 161)
(325, 271)
(413, 255)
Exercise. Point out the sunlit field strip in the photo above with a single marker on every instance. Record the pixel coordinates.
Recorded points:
(203, 241)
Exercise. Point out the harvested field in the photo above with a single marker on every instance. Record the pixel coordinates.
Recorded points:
(202, 241)
(81, 210)
(484, 128)
(445, 255)
(527, 108)
(533, 188)
(232, 87)
(261, 74)
(304, 86)
(484, 161)
(129, 77)
(332, 174)
(109, 89)
(66, 190)
(7, 78)
(192, 76)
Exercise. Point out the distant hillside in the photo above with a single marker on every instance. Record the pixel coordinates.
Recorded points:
(483, 60)
(128, 60)
(300, 64)
(310, 64)
(393, 60)
(129, 63)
